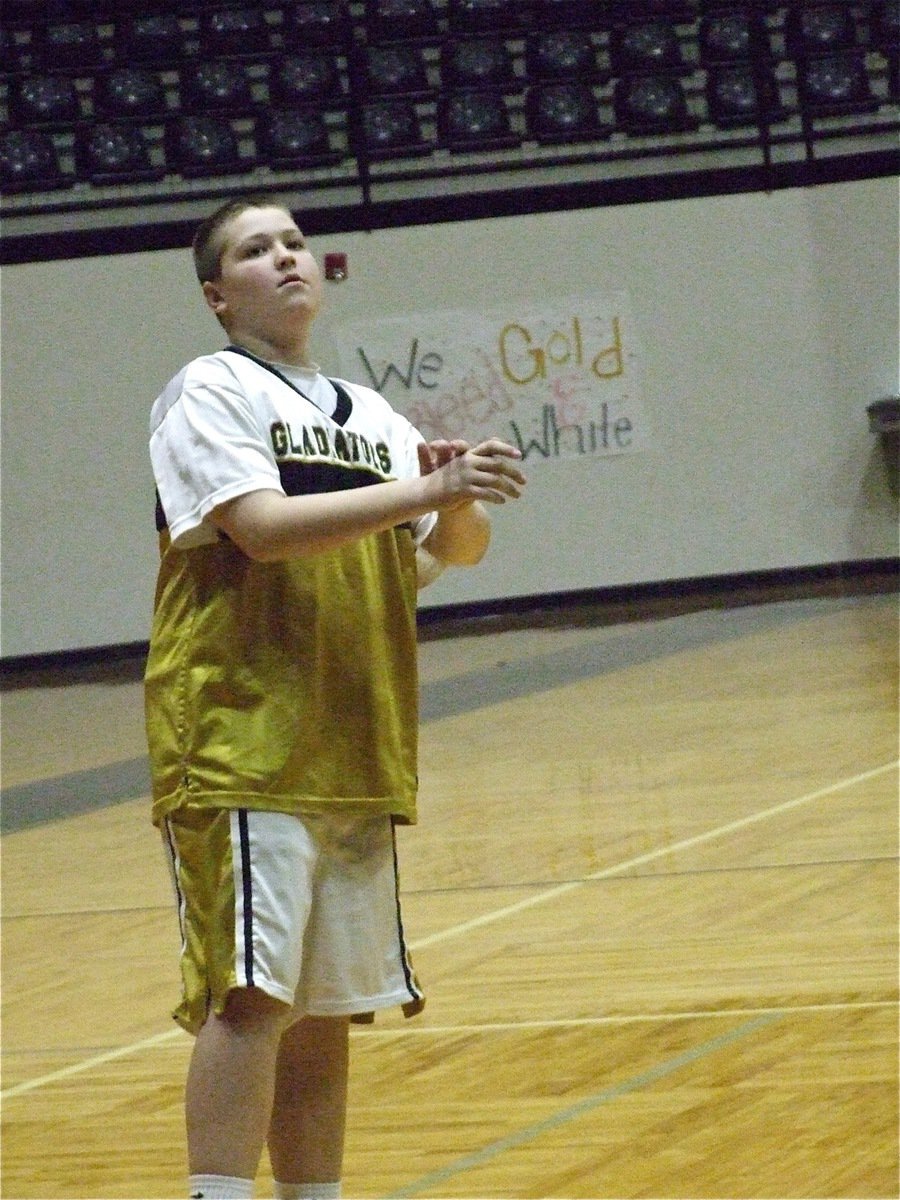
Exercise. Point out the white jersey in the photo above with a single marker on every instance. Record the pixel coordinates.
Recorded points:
(229, 424)
(289, 686)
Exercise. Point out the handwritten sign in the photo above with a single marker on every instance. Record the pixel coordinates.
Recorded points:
(558, 381)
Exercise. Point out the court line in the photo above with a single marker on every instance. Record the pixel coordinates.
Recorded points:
(488, 918)
(639, 860)
(87, 1064)
(426, 1183)
(603, 650)
(472, 889)
(657, 1018)
(407, 1030)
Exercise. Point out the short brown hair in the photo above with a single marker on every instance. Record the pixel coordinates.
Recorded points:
(209, 241)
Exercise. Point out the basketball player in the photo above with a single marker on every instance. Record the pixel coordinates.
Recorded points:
(297, 516)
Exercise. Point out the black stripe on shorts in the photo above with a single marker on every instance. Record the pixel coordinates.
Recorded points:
(411, 987)
(176, 882)
(247, 892)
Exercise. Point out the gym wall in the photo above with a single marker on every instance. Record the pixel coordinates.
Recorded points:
(762, 325)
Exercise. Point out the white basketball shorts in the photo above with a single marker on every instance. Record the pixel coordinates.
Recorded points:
(306, 908)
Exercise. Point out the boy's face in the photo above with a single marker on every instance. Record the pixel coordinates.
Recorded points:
(269, 283)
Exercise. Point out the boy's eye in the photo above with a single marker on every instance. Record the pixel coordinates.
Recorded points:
(292, 242)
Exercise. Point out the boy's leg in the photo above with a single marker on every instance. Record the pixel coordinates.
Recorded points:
(306, 1134)
(231, 1082)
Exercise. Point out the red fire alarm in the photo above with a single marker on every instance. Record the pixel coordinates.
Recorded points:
(336, 267)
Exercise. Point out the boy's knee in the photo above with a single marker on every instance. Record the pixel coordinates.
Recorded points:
(251, 1006)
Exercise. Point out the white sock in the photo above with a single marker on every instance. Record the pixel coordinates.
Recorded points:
(219, 1187)
(307, 1191)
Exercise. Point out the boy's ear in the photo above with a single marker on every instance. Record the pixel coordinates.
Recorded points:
(214, 298)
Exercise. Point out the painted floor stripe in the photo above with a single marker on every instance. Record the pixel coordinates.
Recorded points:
(607, 649)
(658, 1018)
(489, 918)
(640, 860)
(412, 1030)
(428, 1183)
(88, 1064)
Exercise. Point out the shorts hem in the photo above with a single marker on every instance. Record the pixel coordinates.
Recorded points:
(184, 1015)
(362, 1005)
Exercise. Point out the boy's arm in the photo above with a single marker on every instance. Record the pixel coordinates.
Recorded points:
(462, 533)
(460, 536)
(270, 527)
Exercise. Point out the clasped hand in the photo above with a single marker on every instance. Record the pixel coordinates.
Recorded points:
(460, 473)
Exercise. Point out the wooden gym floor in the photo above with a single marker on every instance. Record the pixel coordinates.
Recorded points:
(653, 897)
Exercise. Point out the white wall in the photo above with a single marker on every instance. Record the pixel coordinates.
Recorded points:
(766, 324)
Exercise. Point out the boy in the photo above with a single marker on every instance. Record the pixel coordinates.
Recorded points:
(297, 516)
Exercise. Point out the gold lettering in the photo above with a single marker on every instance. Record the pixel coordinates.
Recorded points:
(611, 354)
(537, 356)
